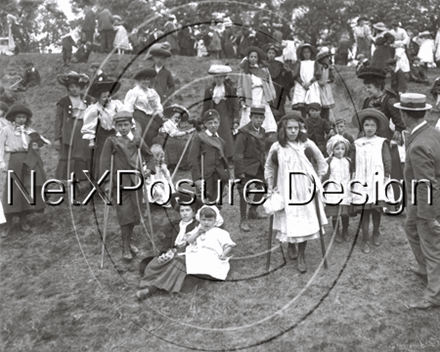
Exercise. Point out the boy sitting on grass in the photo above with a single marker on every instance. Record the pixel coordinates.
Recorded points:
(125, 147)
(207, 158)
(318, 129)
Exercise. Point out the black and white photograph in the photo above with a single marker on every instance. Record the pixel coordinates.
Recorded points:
(212, 175)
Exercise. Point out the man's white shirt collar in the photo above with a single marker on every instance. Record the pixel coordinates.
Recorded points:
(130, 135)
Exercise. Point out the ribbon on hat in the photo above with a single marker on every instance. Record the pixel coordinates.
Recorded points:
(413, 105)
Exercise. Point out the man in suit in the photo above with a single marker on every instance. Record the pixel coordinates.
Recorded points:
(422, 224)
(106, 31)
(88, 27)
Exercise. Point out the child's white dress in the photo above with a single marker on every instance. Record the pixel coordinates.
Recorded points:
(121, 38)
(312, 95)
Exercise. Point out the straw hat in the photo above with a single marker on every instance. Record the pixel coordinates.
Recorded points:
(258, 109)
(73, 78)
(424, 33)
(176, 108)
(380, 26)
(117, 18)
(324, 52)
(413, 102)
(303, 46)
(383, 121)
(219, 70)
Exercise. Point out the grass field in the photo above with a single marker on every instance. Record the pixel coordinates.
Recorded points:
(54, 297)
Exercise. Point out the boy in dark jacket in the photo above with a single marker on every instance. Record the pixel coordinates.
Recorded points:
(207, 159)
(318, 129)
(125, 147)
(249, 159)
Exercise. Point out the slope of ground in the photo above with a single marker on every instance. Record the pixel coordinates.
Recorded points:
(54, 297)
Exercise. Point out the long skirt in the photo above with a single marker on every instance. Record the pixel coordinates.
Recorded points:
(168, 276)
(143, 119)
(19, 205)
(173, 147)
(225, 128)
(79, 158)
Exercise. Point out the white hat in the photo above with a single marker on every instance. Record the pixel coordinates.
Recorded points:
(413, 102)
(219, 69)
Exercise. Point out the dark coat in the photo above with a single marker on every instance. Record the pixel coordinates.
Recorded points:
(64, 123)
(231, 99)
(171, 232)
(317, 130)
(89, 21)
(105, 20)
(249, 154)
(163, 83)
(214, 158)
(31, 78)
(423, 163)
(398, 82)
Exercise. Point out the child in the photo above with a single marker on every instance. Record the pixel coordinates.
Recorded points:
(168, 270)
(175, 137)
(398, 80)
(418, 72)
(426, 49)
(126, 157)
(207, 158)
(22, 143)
(373, 165)
(74, 154)
(83, 52)
(96, 73)
(31, 77)
(121, 41)
(67, 44)
(163, 82)
(339, 172)
(317, 128)
(3, 111)
(209, 246)
(145, 104)
(159, 194)
(306, 74)
(249, 159)
(340, 128)
(325, 90)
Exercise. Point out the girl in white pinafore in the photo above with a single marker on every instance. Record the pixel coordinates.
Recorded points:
(296, 223)
(306, 74)
(121, 41)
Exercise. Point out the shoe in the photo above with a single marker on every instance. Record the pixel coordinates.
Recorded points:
(423, 304)
(291, 251)
(345, 235)
(417, 272)
(365, 247)
(253, 214)
(302, 265)
(25, 226)
(244, 226)
(338, 237)
(127, 256)
(142, 294)
(376, 239)
(134, 249)
(5, 230)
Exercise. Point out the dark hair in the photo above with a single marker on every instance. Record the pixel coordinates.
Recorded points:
(245, 65)
(208, 213)
(420, 114)
(282, 135)
(372, 118)
(379, 83)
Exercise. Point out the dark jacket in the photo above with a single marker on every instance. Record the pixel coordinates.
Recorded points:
(317, 130)
(171, 231)
(423, 163)
(214, 158)
(89, 21)
(418, 74)
(31, 77)
(249, 153)
(231, 100)
(398, 82)
(64, 123)
(105, 20)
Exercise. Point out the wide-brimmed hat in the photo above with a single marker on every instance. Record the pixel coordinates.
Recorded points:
(159, 49)
(73, 78)
(227, 22)
(250, 49)
(424, 33)
(416, 58)
(258, 109)
(382, 120)
(413, 102)
(324, 52)
(39, 139)
(122, 116)
(380, 26)
(274, 47)
(145, 73)
(219, 70)
(179, 198)
(336, 139)
(372, 72)
(176, 108)
(117, 18)
(362, 18)
(303, 46)
(98, 87)
(17, 109)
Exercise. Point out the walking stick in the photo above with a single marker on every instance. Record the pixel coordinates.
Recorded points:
(107, 206)
(183, 154)
(269, 240)
(147, 200)
(16, 83)
(321, 237)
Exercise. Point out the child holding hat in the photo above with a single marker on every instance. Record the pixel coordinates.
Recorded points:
(22, 143)
(207, 158)
(125, 146)
(222, 97)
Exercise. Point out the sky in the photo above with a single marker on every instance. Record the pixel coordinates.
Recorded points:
(66, 7)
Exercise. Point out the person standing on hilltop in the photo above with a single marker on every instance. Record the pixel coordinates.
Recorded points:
(172, 34)
(89, 24)
(363, 37)
(106, 31)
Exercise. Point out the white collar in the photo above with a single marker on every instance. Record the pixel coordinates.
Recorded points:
(130, 135)
(419, 126)
(211, 134)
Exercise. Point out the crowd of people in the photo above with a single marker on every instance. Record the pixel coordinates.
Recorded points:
(244, 133)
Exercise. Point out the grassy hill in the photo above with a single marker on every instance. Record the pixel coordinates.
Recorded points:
(54, 297)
